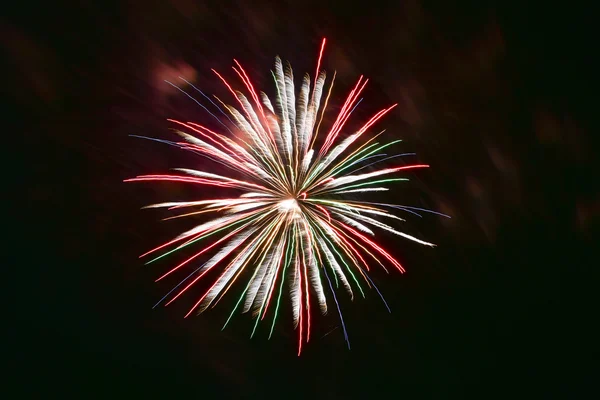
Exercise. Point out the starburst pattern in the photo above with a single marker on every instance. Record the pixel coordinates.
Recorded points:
(289, 228)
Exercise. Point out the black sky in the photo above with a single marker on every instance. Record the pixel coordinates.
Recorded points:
(498, 98)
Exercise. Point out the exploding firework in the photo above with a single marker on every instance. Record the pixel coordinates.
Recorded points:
(290, 227)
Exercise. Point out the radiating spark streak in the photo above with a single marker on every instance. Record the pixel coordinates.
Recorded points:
(178, 178)
(382, 160)
(339, 123)
(319, 62)
(200, 104)
(368, 158)
(376, 117)
(201, 133)
(198, 254)
(306, 280)
(239, 242)
(208, 292)
(208, 98)
(288, 225)
(248, 84)
(347, 267)
(156, 140)
(299, 272)
(378, 292)
(325, 211)
(287, 263)
(323, 111)
(265, 242)
(356, 105)
(341, 235)
(179, 284)
(356, 252)
(343, 116)
(338, 308)
(357, 156)
(344, 164)
(272, 286)
(200, 236)
(164, 245)
(192, 213)
(407, 208)
(354, 178)
(376, 247)
(241, 259)
(370, 183)
(237, 98)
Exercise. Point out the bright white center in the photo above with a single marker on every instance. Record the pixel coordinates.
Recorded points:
(289, 205)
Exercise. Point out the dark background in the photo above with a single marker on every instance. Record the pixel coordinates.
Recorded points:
(498, 98)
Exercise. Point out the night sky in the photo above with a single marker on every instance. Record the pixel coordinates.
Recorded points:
(498, 99)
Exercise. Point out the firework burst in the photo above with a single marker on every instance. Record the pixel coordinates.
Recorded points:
(290, 227)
